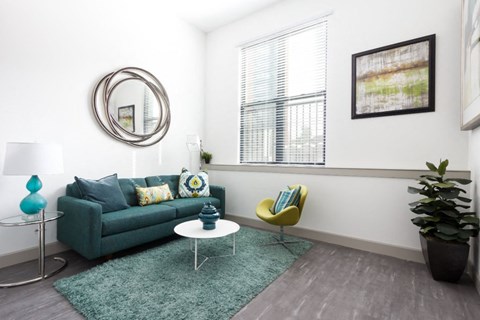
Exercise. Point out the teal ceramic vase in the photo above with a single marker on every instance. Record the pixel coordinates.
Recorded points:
(209, 216)
(34, 202)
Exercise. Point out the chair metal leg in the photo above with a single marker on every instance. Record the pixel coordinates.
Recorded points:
(281, 240)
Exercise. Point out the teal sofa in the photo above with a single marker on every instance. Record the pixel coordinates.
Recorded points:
(93, 234)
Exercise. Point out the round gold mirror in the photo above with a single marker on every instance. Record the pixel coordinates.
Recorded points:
(131, 105)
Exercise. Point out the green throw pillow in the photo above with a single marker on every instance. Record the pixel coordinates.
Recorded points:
(193, 185)
(105, 191)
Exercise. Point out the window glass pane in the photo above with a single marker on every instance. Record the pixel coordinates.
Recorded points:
(283, 98)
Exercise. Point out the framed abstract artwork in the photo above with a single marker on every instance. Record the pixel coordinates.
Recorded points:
(470, 75)
(126, 117)
(394, 79)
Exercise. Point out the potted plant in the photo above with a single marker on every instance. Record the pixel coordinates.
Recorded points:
(445, 225)
(206, 156)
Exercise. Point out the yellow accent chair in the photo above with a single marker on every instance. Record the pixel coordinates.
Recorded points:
(287, 217)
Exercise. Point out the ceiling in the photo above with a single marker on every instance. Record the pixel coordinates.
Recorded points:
(207, 15)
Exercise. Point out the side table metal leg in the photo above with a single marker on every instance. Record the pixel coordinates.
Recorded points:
(41, 259)
(234, 244)
(41, 245)
(196, 252)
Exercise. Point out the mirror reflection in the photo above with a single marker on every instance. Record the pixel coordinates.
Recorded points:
(134, 107)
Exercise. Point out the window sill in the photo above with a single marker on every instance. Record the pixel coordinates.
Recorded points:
(324, 171)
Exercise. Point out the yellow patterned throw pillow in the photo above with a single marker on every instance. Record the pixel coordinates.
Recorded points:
(153, 195)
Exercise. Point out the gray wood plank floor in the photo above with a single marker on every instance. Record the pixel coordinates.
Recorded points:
(329, 282)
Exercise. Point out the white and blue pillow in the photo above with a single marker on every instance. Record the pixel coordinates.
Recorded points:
(286, 198)
(193, 185)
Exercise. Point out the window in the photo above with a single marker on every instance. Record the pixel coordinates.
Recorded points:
(283, 97)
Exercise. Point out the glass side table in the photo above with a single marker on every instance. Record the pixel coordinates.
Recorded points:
(41, 219)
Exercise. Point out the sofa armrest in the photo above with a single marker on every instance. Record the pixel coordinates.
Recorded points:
(81, 226)
(219, 193)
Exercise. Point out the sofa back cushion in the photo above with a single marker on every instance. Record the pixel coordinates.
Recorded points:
(73, 190)
(127, 185)
(171, 180)
(128, 188)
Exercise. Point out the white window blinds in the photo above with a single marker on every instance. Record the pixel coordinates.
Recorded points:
(283, 98)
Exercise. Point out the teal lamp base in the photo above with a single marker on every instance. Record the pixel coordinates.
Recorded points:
(34, 202)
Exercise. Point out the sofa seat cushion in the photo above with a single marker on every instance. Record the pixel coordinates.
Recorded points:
(136, 218)
(191, 206)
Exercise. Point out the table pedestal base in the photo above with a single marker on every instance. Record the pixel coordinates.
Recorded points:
(40, 277)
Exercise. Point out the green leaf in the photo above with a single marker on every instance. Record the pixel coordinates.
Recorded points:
(464, 199)
(431, 166)
(427, 177)
(418, 221)
(461, 181)
(427, 229)
(442, 168)
(462, 206)
(444, 236)
(447, 229)
(426, 200)
(474, 230)
(431, 219)
(469, 219)
(465, 234)
(448, 203)
(444, 185)
(421, 210)
(413, 190)
(427, 209)
(425, 183)
(450, 213)
(449, 193)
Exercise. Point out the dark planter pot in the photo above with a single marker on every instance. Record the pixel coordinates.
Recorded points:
(445, 260)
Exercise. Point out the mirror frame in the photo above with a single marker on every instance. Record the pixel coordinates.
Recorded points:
(101, 97)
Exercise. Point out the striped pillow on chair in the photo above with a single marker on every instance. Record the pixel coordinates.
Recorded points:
(286, 198)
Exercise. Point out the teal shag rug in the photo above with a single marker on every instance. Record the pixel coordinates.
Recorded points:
(161, 283)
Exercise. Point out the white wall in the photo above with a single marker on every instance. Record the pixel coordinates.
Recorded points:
(372, 209)
(52, 54)
(367, 208)
(386, 142)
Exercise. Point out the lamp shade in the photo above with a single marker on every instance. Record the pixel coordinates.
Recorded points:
(24, 158)
(193, 142)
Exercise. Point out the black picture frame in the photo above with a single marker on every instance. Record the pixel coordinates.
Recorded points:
(395, 79)
(126, 117)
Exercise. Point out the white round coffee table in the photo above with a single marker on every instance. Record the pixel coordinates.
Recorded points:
(194, 230)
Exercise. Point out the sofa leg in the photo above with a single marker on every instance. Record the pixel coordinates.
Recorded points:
(108, 257)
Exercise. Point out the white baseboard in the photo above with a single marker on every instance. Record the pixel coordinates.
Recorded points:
(360, 244)
(20, 256)
(375, 247)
